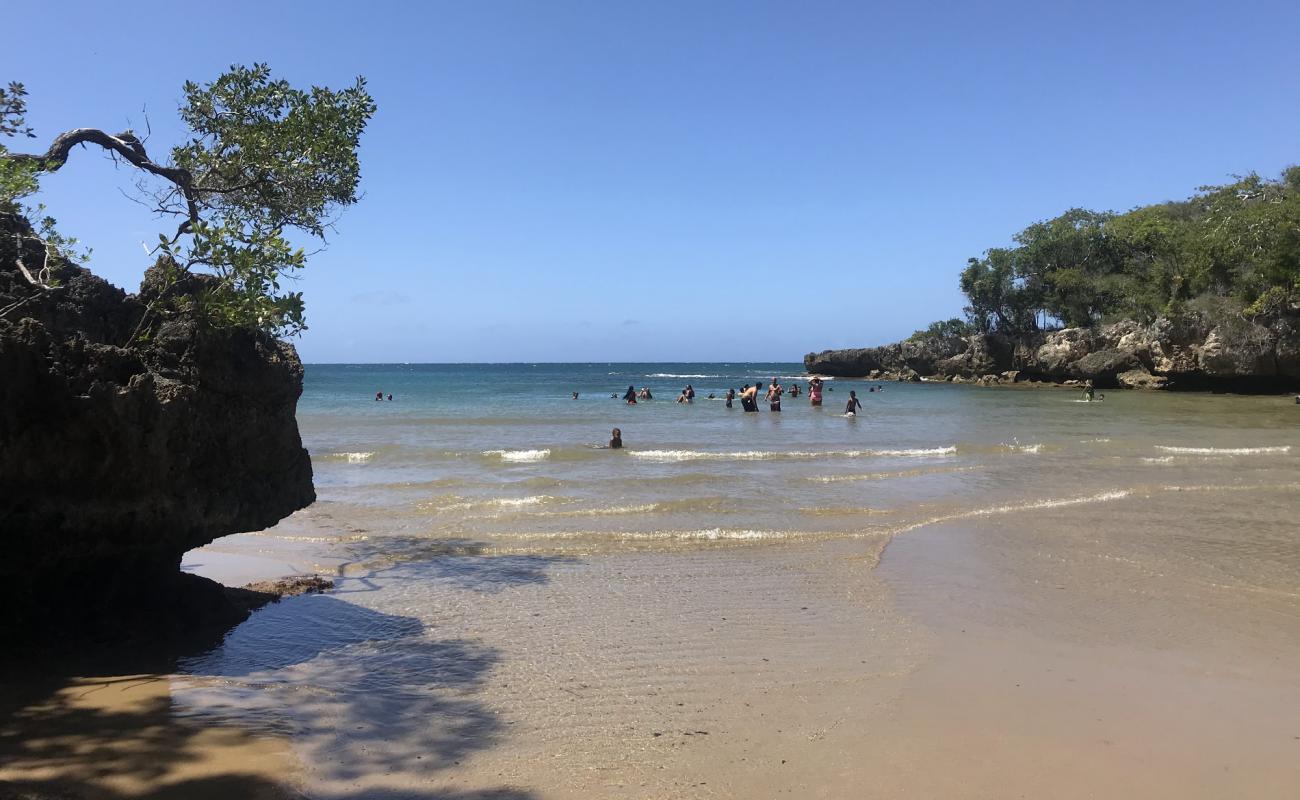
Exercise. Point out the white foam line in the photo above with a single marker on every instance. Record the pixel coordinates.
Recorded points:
(709, 534)
(1224, 451)
(352, 458)
(761, 455)
(519, 456)
(673, 375)
(1011, 509)
(497, 502)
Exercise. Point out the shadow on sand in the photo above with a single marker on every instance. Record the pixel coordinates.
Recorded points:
(360, 693)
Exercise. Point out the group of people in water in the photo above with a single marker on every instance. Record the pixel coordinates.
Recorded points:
(749, 395)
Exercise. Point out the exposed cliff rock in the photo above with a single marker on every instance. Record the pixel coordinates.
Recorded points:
(116, 457)
(1188, 352)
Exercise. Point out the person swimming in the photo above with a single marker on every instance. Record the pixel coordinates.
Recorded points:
(379, 395)
(630, 395)
(575, 395)
(854, 404)
(616, 440)
(390, 398)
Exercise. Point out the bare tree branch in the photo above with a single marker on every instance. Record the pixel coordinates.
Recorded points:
(127, 146)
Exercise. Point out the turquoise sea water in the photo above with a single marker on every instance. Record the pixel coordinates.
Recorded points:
(502, 454)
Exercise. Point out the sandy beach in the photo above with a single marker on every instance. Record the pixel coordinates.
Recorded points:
(975, 659)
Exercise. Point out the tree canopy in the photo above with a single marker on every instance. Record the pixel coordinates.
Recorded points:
(1232, 246)
(263, 160)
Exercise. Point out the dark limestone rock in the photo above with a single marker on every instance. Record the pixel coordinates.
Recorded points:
(116, 457)
(1190, 351)
(1239, 349)
(1102, 366)
(918, 357)
(1140, 379)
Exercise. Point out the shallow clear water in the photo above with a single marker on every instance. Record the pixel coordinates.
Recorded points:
(516, 598)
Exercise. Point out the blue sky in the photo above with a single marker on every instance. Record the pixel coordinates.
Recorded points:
(559, 181)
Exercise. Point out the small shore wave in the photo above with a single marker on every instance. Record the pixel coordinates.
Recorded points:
(771, 455)
(1224, 451)
(520, 456)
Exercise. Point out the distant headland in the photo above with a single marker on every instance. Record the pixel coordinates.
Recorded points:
(1198, 294)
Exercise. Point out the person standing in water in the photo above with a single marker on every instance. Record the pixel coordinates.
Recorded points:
(616, 440)
(815, 391)
(630, 395)
(749, 397)
(731, 395)
(854, 405)
(774, 393)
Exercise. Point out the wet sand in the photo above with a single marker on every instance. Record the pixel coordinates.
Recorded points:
(1139, 647)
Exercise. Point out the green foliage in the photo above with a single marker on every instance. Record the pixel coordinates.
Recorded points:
(17, 180)
(264, 158)
(1235, 246)
(946, 329)
(264, 161)
(13, 111)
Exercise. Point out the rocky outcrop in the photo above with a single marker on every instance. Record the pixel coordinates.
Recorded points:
(117, 456)
(1191, 351)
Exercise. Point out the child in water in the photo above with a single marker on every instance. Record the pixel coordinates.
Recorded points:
(616, 440)
(854, 404)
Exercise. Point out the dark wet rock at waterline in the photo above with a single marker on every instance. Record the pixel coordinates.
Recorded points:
(117, 455)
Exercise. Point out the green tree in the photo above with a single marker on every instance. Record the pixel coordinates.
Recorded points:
(263, 160)
(998, 299)
(1062, 261)
(944, 329)
(17, 180)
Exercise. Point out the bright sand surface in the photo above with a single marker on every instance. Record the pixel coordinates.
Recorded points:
(976, 660)
(1106, 607)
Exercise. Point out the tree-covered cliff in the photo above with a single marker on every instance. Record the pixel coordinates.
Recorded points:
(1227, 250)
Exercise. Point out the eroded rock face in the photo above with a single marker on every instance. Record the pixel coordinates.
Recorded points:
(117, 457)
(1189, 351)
(1239, 349)
(898, 358)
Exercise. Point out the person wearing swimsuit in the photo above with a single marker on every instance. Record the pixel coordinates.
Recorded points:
(854, 405)
(815, 391)
(731, 395)
(749, 397)
(616, 440)
(774, 396)
(630, 395)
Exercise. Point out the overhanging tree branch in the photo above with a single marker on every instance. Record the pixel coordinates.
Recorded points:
(123, 144)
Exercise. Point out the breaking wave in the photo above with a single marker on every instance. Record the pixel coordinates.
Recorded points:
(769, 455)
(519, 456)
(1224, 451)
